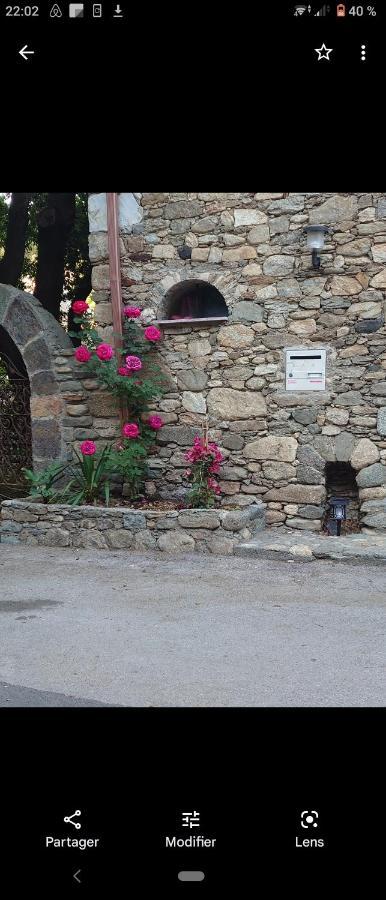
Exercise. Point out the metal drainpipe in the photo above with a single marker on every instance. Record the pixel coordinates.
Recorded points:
(115, 283)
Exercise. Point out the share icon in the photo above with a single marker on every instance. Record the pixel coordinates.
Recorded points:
(76, 825)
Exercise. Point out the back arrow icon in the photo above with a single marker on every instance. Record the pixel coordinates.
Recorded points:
(24, 52)
(75, 875)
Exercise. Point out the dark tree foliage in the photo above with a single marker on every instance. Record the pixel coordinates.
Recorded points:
(72, 279)
(11, 264)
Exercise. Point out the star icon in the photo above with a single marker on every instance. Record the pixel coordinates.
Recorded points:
(323, 52)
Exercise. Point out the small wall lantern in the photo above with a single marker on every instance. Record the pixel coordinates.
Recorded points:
(315, 241)
(338, 511)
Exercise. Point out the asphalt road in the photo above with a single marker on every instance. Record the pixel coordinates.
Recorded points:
(85, 627)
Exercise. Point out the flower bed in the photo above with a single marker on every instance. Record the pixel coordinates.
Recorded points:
(121, 528)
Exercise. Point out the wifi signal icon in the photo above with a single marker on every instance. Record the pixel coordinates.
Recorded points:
(299, 10)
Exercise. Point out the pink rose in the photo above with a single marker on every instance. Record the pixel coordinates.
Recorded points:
(82, 353)
(152, 333)
(133, 363)
(123, 370)
(130, 430)
(132, 312)
(88, 448)
(104, 351)
(79, 307)
(155, 422)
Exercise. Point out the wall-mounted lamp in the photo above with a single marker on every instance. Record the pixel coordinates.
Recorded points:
(315, 241)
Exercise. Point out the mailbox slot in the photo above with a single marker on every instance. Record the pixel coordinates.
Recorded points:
(305, 370)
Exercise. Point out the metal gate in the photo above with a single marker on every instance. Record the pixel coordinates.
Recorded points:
(15, 429)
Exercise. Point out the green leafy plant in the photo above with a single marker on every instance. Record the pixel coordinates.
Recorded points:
(204, 460)
(135, 380)
(42, 483)
(89, 475)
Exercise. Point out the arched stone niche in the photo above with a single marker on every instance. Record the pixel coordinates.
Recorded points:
(344, 452)
(38, 338)
(193, 299)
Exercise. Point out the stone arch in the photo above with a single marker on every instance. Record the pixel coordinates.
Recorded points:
(38, 338)
(357, 453)
(194, 298)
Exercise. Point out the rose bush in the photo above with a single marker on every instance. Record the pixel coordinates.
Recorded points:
(205, 459)
(135, 380)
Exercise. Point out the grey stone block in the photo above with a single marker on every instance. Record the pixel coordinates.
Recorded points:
(310, 457)
(305, 416)
(308, 475)
(369, 325)
(311, 512)
(377, 520)
(9, 526)
(134, 520)
(381, 421)
(199, 518)
(372, 476)
(118, 539)
(344, 446)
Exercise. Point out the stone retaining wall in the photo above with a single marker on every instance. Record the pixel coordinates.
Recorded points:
(120, 528)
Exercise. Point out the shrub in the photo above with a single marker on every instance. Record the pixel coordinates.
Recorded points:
(42, 483)
(205, 459)
(135, 380)
(89, 475)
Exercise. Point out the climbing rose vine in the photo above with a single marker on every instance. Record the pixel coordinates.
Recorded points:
(134, 379)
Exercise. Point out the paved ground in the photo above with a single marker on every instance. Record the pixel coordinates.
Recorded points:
(288, 543)
(150, 630)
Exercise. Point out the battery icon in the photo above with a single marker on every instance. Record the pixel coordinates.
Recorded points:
(341, 10)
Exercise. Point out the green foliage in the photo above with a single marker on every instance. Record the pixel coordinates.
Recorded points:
(89, 476)
(77, 266)
(136, 391)
(131, 463)
(204, 460)
(42, 483)
(200, 496)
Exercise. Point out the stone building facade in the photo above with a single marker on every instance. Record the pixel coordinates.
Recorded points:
(229, 364)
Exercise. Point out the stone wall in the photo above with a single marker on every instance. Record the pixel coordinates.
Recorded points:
(89, 413)
(251, 247)
(120, 528)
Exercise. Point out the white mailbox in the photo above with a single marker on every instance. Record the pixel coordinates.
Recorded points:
(305, 370)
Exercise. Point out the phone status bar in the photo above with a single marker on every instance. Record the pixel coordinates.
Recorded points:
(334, 10)
(58, 11)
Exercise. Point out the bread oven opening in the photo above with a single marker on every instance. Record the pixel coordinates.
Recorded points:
(341, 483)
(192, 300)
